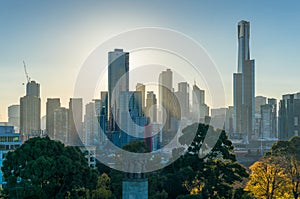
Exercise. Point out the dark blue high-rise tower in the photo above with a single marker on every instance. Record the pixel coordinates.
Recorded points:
(118, 80)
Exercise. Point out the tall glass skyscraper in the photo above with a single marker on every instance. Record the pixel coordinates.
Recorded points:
(243, 83)
(118, 80)
(243, 40)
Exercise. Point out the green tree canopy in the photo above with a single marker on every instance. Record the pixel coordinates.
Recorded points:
(210, 174)
(44, 168)
(136, 147)
(102, 190)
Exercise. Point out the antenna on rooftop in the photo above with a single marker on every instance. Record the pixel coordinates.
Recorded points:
(26, 74)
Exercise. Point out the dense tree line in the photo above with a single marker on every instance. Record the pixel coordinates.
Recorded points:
(43, 168)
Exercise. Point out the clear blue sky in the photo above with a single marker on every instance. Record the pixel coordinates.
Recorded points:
(55, 38)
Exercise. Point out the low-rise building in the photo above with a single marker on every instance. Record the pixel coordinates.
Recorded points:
(9, 140)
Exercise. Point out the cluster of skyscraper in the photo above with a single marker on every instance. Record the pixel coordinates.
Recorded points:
(123, 116)
(133, 115)
(120, 115)
(256, 117)
(265, 118)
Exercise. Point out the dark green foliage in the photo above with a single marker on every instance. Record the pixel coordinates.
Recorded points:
(155, 182)
(216, 172)
(190, 197)
(45, 168)
(116, 182)
(102, 168)
(241, 194)
(288, 148)
(159, 195)
(136, 147)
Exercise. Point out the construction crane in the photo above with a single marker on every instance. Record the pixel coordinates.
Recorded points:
(27, 76)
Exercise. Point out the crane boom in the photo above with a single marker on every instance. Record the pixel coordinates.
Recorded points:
(26, 74)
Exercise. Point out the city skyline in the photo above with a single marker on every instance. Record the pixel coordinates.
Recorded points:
(55, 45)
(149, 99)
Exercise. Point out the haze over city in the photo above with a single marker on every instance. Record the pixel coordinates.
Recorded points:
(149, 99)
(55, 39)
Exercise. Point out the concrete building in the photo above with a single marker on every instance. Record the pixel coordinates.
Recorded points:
(288, 117)
(165, 91)
(199, 109)
(43, 123)
(170, 112)
(30, 112)
(259, 101)
(151, 107)
(142, 88)
(183, 95)
(274, 130)
(268, 121)
(75, 121)
(244, 85)
(33, 89)
(237, 101)
(91, 123)
(222, 115)
(257, 126)
(61, 125)
(14, 117)
(51, 105)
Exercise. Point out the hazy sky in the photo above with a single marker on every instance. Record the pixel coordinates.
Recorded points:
(55, 37)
